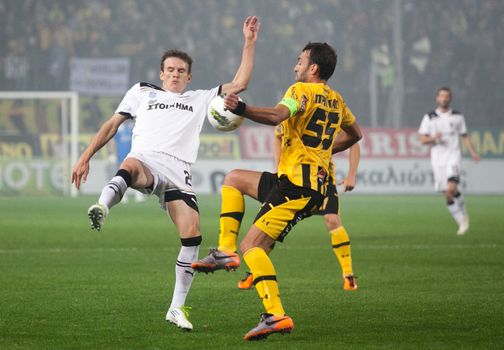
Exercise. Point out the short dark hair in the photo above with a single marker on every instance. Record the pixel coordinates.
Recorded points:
(444, 88)
(324, 56)
(179, 54)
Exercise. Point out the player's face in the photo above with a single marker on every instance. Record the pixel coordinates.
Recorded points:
(175, 75)
(443, 99)
(303, 67)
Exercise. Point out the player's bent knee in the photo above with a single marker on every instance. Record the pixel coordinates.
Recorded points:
(232, 178)
(452, 188)
(130, 164)
(141, 176)
(332, 221)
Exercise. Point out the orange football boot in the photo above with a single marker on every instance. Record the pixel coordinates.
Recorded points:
(350, 283)
(217, 260)
(270, 324)
(247, 282)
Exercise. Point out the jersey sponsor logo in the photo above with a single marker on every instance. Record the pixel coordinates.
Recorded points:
(176, 105)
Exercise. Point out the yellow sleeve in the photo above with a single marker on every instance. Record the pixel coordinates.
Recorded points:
(294, 99)
(348, 117)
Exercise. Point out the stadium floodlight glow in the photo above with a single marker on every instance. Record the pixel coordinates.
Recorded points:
(69, 107)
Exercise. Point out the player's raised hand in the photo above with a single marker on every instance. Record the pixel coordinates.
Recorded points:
(251, 28)
(79, 173)
(231, 101)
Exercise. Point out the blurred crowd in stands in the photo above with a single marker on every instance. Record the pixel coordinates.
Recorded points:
(455, 43)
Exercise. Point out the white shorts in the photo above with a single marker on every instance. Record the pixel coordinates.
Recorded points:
(444, 173)
(172, 178)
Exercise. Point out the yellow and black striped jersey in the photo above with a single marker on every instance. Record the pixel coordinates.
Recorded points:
(317, 113)
(331, 171)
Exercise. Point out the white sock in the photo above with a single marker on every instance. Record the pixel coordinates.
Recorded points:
(456, 212)
(459, 200)
(113, 192)
(184, 273)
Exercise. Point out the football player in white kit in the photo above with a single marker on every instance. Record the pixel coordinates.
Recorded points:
(168, 121)
(442, 129)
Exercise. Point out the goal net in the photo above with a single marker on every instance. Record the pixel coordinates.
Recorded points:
(38, 142)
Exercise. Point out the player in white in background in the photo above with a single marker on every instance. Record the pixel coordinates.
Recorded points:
(168, 121)
(442, 129)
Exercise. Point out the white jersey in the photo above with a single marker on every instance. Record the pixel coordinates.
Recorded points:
(166, 122)
(451, 125)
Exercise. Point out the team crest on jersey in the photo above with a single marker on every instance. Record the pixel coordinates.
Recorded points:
(304, 100)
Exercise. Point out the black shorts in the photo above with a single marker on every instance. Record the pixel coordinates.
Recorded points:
(188, 198)
(283, 205)
(331, 200)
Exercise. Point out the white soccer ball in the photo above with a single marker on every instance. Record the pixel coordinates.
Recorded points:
(222, 118)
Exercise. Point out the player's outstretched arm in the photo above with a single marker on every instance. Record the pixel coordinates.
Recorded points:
(244, 73)
(107, 131)
(263, 115)
(351, 135)
(467, 142)
(353, 158)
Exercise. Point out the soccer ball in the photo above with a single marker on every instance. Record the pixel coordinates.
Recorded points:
(222, 118)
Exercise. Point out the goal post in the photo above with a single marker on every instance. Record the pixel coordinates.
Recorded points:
(13, 132)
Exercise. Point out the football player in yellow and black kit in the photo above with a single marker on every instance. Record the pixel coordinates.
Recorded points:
(311, 114)
(339, 237)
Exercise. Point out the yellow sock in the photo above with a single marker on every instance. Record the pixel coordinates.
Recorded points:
(265, 280)
(341, 247)
(231, 216)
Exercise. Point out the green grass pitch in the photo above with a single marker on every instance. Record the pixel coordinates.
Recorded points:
(420, 285)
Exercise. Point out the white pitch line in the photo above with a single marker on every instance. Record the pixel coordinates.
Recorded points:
(356, 247)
